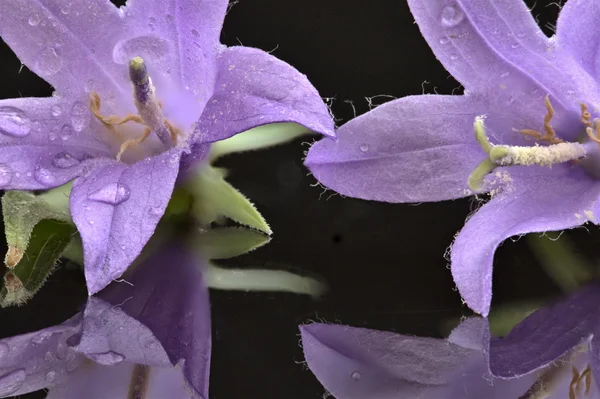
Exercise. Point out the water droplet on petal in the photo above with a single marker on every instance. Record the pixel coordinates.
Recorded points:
(521, 34)
(451, 16)
(505, 74)
(50, 376)
(48, 62)
(152, 20)
(3, 350)
(41, 338)
(195, 32)
(89, 86)
(61, 350)
(56, 111)
(65, 9)
(113, 194)
(66, 132)
(169, 18)
(44, 176)
(13, 122)
(355, 376)
(514, 45)
(453, 57)
(444, 40)
(153, 49)
(79, 116)
(156, 211)
(109, 358)
(11, 382)
(6, 175)
(64, 160)
(34, 20)
(48, 356)
(364, 147)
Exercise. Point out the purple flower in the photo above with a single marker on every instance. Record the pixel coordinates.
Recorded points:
(552, 354)
(141, 92)
(528, 86)
(148, 337)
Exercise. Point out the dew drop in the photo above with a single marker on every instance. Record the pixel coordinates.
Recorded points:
(65, 10)
(153, 49)
(13, 122)
(444, 40)
(44, 176)
(510, 100)
(64, 160)
(50, 376)
(453, 57)
(11, 382)
(355, 376)
(6, 175)
(56, 110)
(109, 358)
(364, 147)
(195, 32)
(3, 350)
(41, 338)
(34, 20)
(89, 86)
(48, 356)
(79, 117)
(514, 45)
(451, 16)
(48, 62)
(155, 211)
(521, 35)
(66, 132)
(169, 18)
(61, 350)
(112, 193)
(152, 20)
(505, 74)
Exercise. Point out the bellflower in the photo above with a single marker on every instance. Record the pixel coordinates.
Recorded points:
(551, 354)
(141, 92)
(150, 338)
(532, 101)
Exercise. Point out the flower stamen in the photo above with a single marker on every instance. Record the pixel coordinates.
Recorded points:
(111, 120)
(578, 379)
(550, 135)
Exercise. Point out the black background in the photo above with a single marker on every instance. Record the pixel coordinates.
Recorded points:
(384, 262)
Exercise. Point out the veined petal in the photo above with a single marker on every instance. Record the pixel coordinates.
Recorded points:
(418, 148)
(116, 208)
(173, 303)
(37, 360)
(40, 146)
(538, 200)
(361, 363)
(495, 47)
(546, 335)
(95, 381)
(577, 33)
(254, 88)
(183, 39)
(69, 44)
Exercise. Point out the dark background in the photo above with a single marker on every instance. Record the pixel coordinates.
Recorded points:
(384, 262)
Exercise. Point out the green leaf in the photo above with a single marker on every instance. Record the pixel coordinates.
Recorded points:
(227, 242)
(260, 137)
(215, 198)
(48, 240)
(24, 210)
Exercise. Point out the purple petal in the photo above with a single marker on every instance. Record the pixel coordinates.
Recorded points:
(495, 48)
(546, 335)
(594, 357)
(56, 40)
(179, 40)
(116, 208)
(577, 33)
(415, 149)
(40, 147)
(472, 333)
(361, 363)
(253, 89)
(95, 381)
(34, 361)
(173, 303)
(538, 200)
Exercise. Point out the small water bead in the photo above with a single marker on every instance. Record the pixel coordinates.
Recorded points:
(64, 160)
(6, 175)
(79, 116)
(65, 9)
(34, 20)
(453, 57)
(89, 86)
(444, 40)
(109, 358)
(48, 356)
(169, 18)
(41, 338)
(514, 45)
(61, 350)
(451, 16)
(505, 74)
(66, 132)
(50, 376)
(44, 176)
(364, 147)
(355, 376)
(112, 194)
(48, 62)
(195, 32)
(56, 110)
(11, 382)
(14, 122)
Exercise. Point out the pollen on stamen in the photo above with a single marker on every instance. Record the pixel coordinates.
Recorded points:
(537, 155)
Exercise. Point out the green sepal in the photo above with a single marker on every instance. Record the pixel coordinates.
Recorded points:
(23, 210)
(227, 242)
(214, 198)
(47, 242)
(257, 138)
